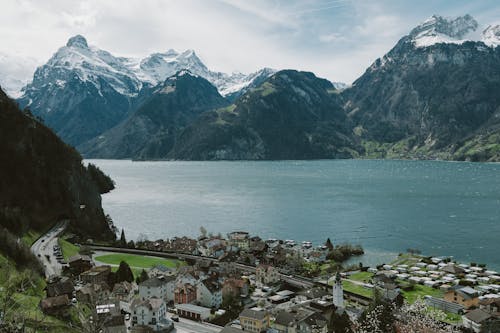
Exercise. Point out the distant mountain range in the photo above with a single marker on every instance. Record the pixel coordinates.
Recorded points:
(434, 95)
(82, 91)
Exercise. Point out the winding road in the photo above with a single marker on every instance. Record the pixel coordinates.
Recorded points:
(43, 248)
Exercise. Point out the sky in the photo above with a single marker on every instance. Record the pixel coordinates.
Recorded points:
(335, 39)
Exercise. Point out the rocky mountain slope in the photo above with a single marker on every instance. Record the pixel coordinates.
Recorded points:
(82, 90)
(434, 95)
(292, 115)
(152, 130)
(43, 180)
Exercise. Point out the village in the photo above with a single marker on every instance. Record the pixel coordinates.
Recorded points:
(242, 283)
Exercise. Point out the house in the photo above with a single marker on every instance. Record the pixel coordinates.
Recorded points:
(453, 269)
(161, 270)
(60, 286)
(239, 239)
(267, 274)
(193, 312)
(465, 296)
(235, 287)
(123, 291)
(254, 320)
(80, 263)
(185, 293)
(159, 286)
(150, 312)
(54, 305)
(93, 293)
(479, 318)
(115, 323)
(209, 293)
(315, 322)
(285, 322)
(96, 275)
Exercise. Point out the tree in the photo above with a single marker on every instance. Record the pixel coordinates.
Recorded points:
(123, 240)
(340, 323)
(142, 277)
(203, 231)
(124, 273)
(329, 244)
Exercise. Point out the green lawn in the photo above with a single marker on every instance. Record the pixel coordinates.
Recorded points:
(26, 303)
(68, 249)
(357, 289)
(137, 261)
(361, 276)
(421, 291)
(30, 237)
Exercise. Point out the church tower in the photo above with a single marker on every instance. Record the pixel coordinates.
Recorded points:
(338, 292)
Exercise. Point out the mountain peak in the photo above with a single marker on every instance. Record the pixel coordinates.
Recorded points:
(438, 29)
(77, 41)
(491, 35)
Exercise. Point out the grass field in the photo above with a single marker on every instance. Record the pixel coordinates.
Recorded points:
(361, 276)
(68, 249)
(421, 291)
(138, 261)
(357, 289)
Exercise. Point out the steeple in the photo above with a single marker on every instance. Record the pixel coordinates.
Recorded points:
(338, 292)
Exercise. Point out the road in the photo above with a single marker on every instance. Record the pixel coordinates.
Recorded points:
(43, 248)
(189, 326)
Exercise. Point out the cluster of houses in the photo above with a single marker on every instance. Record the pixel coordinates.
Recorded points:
(469, 290)
(241, 247)
(209, 290)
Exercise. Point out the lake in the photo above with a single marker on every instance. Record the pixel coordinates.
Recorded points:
(387, 206)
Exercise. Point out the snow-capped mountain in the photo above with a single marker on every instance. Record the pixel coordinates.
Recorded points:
(434, 94)
(83, 90)
(438, 29)
(128, 75)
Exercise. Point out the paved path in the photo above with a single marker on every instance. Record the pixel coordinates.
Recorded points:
(43, 248)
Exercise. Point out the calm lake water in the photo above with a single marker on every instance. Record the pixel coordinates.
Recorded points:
(440, 208)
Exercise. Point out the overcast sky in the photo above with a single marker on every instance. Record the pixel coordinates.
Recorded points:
(336, 39)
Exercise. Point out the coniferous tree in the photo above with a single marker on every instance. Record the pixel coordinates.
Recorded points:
(123, 240)
(340, 323)
(329, 244)
(143, 277)
(124, 273)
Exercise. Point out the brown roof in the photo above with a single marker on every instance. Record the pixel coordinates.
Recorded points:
(64, 286)
(254, 314)
(478, 315)
(79, 257)
(52, 302)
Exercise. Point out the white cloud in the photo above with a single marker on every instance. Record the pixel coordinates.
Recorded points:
(336, 39)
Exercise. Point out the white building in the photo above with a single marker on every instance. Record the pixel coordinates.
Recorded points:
(159, 287)
(193, 312)
(338, 292)
(266, 274)
(209, 294)
(151, 312)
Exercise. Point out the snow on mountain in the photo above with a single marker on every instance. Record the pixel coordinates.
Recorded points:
(340, 85)
(491, 35)
(128, 75)
(438, 29)
(89, 64)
